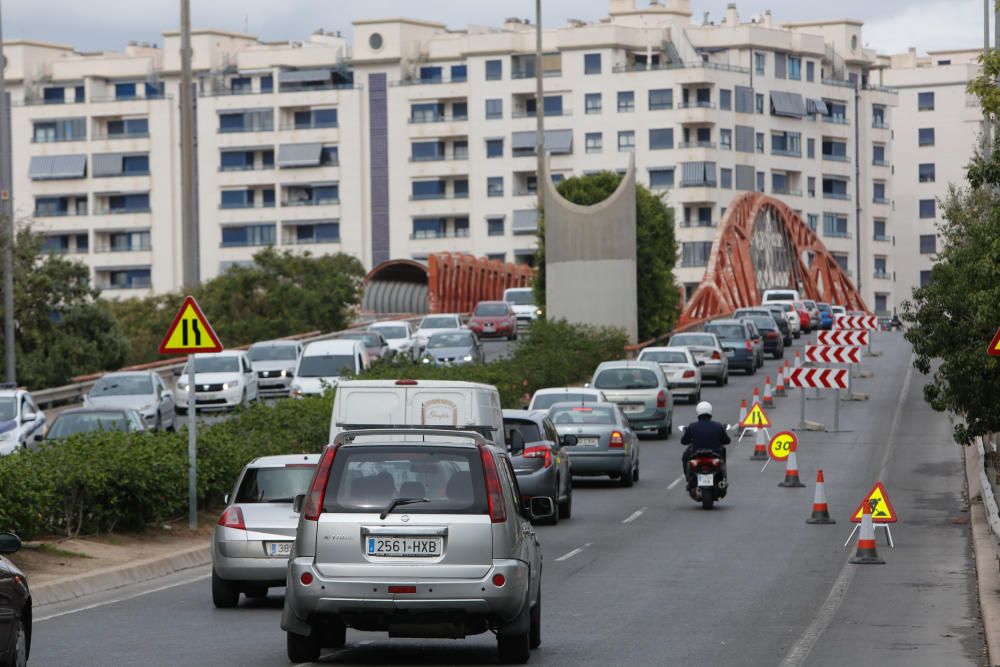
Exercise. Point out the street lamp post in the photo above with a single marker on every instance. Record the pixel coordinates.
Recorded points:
(6, 220)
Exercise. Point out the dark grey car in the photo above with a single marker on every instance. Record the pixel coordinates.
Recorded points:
(452, 348)
(736, 339)
(90, 420)
(599, 440)
(541, 465)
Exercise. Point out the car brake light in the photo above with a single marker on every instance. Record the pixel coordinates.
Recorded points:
(716, 355)
(539, 452)
(232, 518)
(314, 501)
(406, 383)
(749, 346)
(402, 589)
(772, 334)
(499, 580)
(616, 439)
(306, 578)
(494, 494)
(661, 399)
(688, 374)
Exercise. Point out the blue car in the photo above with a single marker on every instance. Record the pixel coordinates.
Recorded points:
(825, 316)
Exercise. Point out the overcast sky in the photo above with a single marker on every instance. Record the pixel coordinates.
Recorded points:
(890, 25)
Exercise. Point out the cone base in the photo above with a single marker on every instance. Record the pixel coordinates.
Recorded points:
(866, 559)
(792, 483)
(820, 520)
(758, 456)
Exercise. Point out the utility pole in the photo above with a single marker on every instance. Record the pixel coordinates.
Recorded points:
(539, 109)
(987, 142)
(6, 221)
(190, 263)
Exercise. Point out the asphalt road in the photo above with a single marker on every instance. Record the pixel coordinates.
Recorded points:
(643, 576)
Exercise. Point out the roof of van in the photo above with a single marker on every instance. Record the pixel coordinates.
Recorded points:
(336, 345)
(423, 384)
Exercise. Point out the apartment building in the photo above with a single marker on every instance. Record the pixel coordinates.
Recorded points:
(416, 138)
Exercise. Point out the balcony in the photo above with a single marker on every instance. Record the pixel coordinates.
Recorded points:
(836, 158)
(50, 213)
(786, 153)
(696, 144)
(838, 83)
(880, 125)
(696, 105)
(133, 98)
(836, 120)
(696, 64)
(836, 234)
(880, 163)
(104, 136)
(453, 234)
(104, 210)
(258, 167)
(881, 275)
(117, 247)
(879, 200)
(309, 126)
(688, 224)
(788, 192)
(439, 197)
(454, 157)
(881, 238)
(843, 196)
(548, 114)
(438, 119)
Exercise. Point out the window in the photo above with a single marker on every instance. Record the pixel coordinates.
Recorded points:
(810, 70)
(879, 230)
(810, 148)
(780, 66)
(494, 109)
(836, 112)
(427, 190)
(626, 141)
(744, 99)
(248, 235)
(661, 98)
(459, 72)
(592, 63)
(494, 70)
(494, 148)
(760, 181)
(758, 103)
(698, 174)
(925, 278)
(835, 188)
(419, 113)
(594, 142)
(928, 244)
(241, 85)
(661, 178)
(878, 193)
(552, 105)
(246, 121)
(881, 269)
(786, 143)
(696, 253)
(779, 183)
(928, 208)
(125, 91)
(795, 68)
(759, 62)
(494, 226)
(811, 184)
(726, 178)
(812, 219)
(267, 83)
(926, 172)
(460, 150)
(835, 224)
(881, 304)
(661, 139)
(925, 101)
(925, 136)
(135, 165)
(878, 154)
(68, 129)
(321, 232)
(460, 111)
(128, 127)
(128, 279)
(460, 188)
(135, 203)
(316, 118)
(626, 101)
(425, 151)
(310, 194)
(878, 116)
(154, 89)
(835, 150)
(725, 99)
(494, 186)
(726, 138)
(592, 103)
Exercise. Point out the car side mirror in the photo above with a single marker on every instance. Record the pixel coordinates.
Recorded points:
(11, 543)
(297, 504)
(568, 440)
(515, 441)
(541, 507)
(39, 437)
(29, 417)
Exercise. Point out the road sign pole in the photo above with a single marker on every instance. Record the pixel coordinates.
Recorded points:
(802, 407)
(192, 449)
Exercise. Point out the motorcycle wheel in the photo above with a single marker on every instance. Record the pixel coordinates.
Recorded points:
(707, 498)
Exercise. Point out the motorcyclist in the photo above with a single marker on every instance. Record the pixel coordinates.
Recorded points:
(704, 434)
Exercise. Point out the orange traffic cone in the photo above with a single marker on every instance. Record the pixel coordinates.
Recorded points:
(779, 389)
(759, 448)
(798, 360)
(821, 513)
(756, 394)
(743, 410)
(866, 553)
(768, 396)
(791, 473)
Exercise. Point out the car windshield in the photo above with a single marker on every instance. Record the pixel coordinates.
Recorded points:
(326, 365)
(367, 478)
(664, 357)
(528, 429)
(66, 425)
(459, 339)
(8, 409)
(439, 323)
(274, 485)
(582, 415)
(520, 298)
(122, 385)
(214, 365)
(728, 331)
(274, 353)
(394, 333)
(490, 310)
(626, 378)
(693, 339)
(546, 401)
(369, 339)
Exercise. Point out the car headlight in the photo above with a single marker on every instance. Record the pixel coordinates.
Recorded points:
(183, 386)
(467, 357)
(297, 391)
(288, 372)
(426, 360)
(538, 311)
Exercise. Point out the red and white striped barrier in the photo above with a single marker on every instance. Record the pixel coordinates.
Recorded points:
(828, 354)
(869, 322)
(849, 338)
(819, 378)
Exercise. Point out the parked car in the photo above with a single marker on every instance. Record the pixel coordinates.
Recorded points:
(640, 389)
(223, 380)
(541, 465)
(494, 319)
(776, 316)
(400, 337)
(275, 362)
(15, 606)
(90, 420)
(143, 391)
(679, 366)
(771, 334)
(522, 300)
(324, 363)
(705, 347)
(21, 422)
(543, 399)
(813, 311)
(375, 343)
(431, 324)
(825, 316)
(255, 533)
(805, 319)
(454, 348)
(735, 338)
(599, 439)
(439, 544)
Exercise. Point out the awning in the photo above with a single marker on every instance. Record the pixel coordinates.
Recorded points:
(698, 173)
(50, 167)
(305, 76)
(299, 155)
(108, 164)
(816, 107)
(525, 221)
(789, 105)
(557, 142)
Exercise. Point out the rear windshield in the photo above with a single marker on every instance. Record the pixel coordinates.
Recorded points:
(780, 296)
(368, 339)
(393, 333)
(727, 331)
(123, 385)
(583, 415)
(320, 366)
(367, 478)
(528, 429)
(693, 339)
(662, 357)
(626, 378)
(445, 340)
(546, 401)
(274, 353)
(439, 323)
(274, 485)
(763, 321)
(87, 422)
(520, 297)
(823, 307)
(490, 309)
(810, 304)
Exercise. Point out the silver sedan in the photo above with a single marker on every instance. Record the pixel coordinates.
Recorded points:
(142, 391)
(708, 352)
(598, 439)
(683, 373)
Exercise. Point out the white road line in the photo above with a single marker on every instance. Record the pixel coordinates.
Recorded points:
(574, 552)
(635, 515)
(675, 483)
(121, 599)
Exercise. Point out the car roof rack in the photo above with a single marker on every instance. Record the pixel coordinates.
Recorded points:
(479, 433)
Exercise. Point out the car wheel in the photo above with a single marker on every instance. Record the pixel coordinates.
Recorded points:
(554, 519)
(720, 381)
(635, 472)
(752, 369)
(514, 639)
(225, 594)
(334, 633)
(301, 648)
(158, 426)
(696, 398)
(19, 650)
(628, 477)
(566, 506)
(536, 622)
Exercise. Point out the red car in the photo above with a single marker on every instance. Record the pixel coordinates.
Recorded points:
(805, 319)
(494, 319)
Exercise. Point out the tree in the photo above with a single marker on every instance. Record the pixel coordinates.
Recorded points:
(656, 249)
(62, 330)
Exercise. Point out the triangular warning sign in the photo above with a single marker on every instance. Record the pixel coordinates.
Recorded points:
(994, 349)
(756, 418)
(878, 500)
(190, 332)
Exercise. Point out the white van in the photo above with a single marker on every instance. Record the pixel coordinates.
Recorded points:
(324, 362)
(771, 295)
(522, 302)
(392, 403)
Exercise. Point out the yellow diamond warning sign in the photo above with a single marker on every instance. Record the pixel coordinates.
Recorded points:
(756, 418)
(190, 332)
(994, 349)
(878, 500)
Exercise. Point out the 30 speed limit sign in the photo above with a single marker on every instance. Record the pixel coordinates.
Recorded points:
(783, 444)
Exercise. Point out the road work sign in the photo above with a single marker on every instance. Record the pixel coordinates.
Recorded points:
(190, 332)
(783, 444)
(756, 418)
(878, 500)
(994, 349)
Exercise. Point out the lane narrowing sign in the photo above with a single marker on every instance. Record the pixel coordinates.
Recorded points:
(190, 332)
(756, 418)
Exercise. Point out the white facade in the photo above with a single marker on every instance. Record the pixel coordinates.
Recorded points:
(418, 139)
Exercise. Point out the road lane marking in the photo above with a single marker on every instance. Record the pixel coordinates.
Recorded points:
(635, 515)
(121, 599)
(574, 552)
(800, 650)
(675, 483)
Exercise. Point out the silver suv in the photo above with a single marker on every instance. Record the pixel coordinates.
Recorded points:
(419, 533)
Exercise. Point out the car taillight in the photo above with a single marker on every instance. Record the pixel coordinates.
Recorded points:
(708, 462)
(772, 334)
(402, 590)
(661, 399)
(749, 346)
(539, 452)
(494, 494)
(616, 439)
(688, 374)
(716, 355)
(232, 518)
(314, 501)
(499, 580)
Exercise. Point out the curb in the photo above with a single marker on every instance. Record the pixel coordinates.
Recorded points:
(985, 548)
(71, 588)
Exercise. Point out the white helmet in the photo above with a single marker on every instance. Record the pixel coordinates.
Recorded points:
(704, 408)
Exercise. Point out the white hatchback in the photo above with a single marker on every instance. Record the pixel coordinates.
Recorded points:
(224, 380)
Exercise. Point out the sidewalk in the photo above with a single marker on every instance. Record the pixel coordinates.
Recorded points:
(985, 520)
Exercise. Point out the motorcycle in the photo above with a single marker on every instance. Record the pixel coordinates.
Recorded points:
(706, 476)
